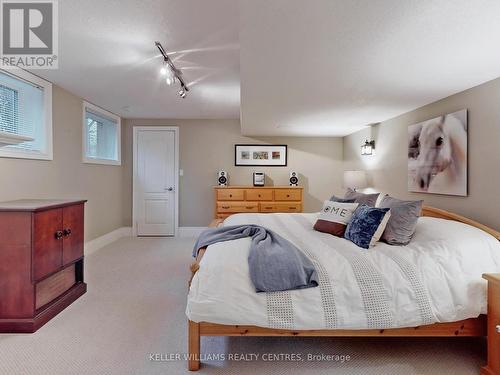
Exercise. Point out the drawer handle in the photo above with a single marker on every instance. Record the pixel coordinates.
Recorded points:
(259, 195)
(292, 208)
(268, 208)
(67, 232)
(497, 328)
(248, 207)
(59, 234)
(226, 207)
(288, 195)
(230, 195)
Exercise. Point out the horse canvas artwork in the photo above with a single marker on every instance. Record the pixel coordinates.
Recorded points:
(437, 155)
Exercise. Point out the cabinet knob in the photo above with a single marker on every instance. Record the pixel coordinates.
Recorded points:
(59, 234)
(497, 328)
(67, 232)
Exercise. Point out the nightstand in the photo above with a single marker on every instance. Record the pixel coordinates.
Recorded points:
(493, 366)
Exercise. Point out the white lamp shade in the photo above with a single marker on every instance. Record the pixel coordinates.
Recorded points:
(355, 179)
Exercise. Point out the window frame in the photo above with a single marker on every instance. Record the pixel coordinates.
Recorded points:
(48, 152)
(89, 160)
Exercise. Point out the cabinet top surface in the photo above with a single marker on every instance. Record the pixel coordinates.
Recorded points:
(37, 204)
(257, 187)
(493, 277)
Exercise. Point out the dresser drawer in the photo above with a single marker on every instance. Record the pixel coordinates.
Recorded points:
(259, 195)
(268, 207)
(230, 194)
(237, 207)
(287, 195)
(288, 207)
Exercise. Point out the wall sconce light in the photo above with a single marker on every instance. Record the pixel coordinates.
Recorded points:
(368, 148)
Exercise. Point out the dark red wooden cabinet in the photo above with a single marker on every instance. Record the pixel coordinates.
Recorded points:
(41, 261)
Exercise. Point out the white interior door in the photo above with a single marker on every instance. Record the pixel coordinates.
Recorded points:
(155, 181)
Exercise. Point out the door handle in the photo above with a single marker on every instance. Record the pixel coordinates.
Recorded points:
(169, 188)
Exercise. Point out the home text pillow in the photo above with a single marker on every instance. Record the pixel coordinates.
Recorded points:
(368, 199)
(334, 217)
(342, 200)
(403, 221)
(367, 225)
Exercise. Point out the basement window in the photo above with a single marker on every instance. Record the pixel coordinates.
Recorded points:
(25, 115)
(101, 136)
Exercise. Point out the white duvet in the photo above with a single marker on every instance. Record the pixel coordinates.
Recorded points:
(436, 278)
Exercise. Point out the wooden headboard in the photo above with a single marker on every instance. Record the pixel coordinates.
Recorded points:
(442, 214)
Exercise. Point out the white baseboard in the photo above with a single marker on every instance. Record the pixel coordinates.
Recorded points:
(190, 231)
(99, 242)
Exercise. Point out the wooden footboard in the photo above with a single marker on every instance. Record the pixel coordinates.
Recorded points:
(464, 328)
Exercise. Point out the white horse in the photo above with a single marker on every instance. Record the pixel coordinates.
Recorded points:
(439, 150)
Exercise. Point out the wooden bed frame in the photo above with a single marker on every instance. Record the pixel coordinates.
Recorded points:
(464, 328)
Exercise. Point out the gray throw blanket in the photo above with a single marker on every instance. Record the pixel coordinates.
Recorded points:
(275, 264)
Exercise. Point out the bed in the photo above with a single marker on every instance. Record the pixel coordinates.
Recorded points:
(431, 287)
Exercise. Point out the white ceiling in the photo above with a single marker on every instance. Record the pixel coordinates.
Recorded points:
(107, 56)
(319, 67)
(327, 67)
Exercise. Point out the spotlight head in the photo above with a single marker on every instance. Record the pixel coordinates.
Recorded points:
(163, 71)
(182, 93)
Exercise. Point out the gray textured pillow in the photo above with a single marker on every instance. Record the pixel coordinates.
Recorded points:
(368, 199)
(342, 200)
(403, 220)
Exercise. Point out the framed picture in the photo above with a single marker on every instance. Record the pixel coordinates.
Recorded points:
(260, 155)
(437, 155)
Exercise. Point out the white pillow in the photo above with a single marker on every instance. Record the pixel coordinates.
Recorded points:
(334, 217)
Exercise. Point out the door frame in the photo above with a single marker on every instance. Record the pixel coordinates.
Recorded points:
(136, 130)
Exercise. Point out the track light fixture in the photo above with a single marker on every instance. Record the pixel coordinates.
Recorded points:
(368, 148)
(170, 72)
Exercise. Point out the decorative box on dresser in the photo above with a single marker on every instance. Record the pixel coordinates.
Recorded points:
(493, 366)
(230, 200)
(41, 261)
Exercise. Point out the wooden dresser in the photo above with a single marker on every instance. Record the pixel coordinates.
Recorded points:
(41, 261)
(237, 199)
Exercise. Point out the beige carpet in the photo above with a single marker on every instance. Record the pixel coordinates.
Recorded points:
(135, 308)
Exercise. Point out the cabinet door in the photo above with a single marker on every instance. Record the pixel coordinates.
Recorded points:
(47, 242)
(73, 233)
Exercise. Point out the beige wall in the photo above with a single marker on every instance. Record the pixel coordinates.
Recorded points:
(208, 145)
(66, 176)
(388, 168)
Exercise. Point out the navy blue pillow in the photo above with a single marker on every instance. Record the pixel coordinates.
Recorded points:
(367, 225)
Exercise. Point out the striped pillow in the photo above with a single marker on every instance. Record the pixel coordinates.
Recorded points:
(334, 217)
